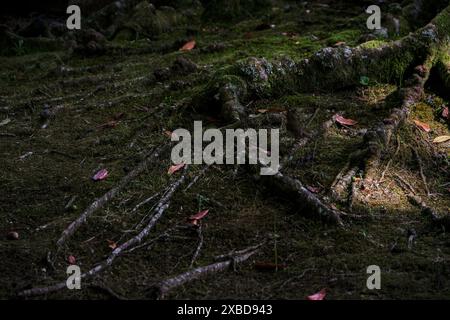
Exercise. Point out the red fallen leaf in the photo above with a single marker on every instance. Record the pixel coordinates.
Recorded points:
(188, 46)
(71, 260)
(318, 296)
(268, 266)
(445, 113)
(340, 43)
(111, 244)
(175, 168)
(101, 175)
(422, 125)
(108, 125)
(313, 189)
(12, 235)
(170, 134)
(344, 121)
(199, 215)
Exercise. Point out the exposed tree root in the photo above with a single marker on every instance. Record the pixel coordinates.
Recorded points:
(100, 202)
(437, 218)
(131, 243)
(161, 289)
(313, 205)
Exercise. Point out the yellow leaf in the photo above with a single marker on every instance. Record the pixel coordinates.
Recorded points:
(441, 139)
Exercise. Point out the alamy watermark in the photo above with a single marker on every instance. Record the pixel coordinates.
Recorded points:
(236, 146)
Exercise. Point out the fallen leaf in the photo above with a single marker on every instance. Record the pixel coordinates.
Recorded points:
(111, 244)
(71, 259)
(100, 175)
(170, 134)
(344, 121)
(422, 125)
(445, 113)
(263, 110)
(318, 296)
(313, 189)
(108, 125)
(441, 139)
(175, 168)
(339, 44)
(269, 266)
(12, 235)
(199, 215)
(188, 46)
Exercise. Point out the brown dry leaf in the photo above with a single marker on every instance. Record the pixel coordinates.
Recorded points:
(112, 244)
(188, 46)
(422, 125)
(175, 168)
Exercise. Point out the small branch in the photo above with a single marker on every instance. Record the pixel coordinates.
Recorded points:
(201, 173)
(100, 202)
(293, 188)
(424, 179)
(165, 286)
(159, 211)
(199, 246)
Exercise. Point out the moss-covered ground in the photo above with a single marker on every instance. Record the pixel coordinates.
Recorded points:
(43, 168)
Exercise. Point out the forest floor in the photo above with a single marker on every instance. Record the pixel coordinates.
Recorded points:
(109, 111)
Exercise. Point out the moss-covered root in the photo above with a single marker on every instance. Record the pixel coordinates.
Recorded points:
(443, 70)
(330, 68)
(379, 137)
(294, 189)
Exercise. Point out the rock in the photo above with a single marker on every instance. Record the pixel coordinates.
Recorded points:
(162, 74)
(183, 66)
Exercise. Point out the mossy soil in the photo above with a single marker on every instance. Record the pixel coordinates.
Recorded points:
(89, 92)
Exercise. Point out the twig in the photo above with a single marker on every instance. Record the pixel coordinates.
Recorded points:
(390, 160)
(201, 173)
(100, 202)
(159, 211)
(163, 288)
(424, 179)
(199, 246)
(142, 203)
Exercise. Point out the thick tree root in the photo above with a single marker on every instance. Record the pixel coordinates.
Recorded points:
(100, 202)
(164, 287)
(130, 244)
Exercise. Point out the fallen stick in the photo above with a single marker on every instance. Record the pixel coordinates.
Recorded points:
(100, 202)
(162, 288)
(159, 211)
(199, 246)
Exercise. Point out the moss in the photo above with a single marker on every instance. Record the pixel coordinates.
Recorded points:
(348, 36)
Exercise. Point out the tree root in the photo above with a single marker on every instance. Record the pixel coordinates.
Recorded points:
(131, 243)
(294, 189)
(100, 202)
(161, 289)
(437, 218)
